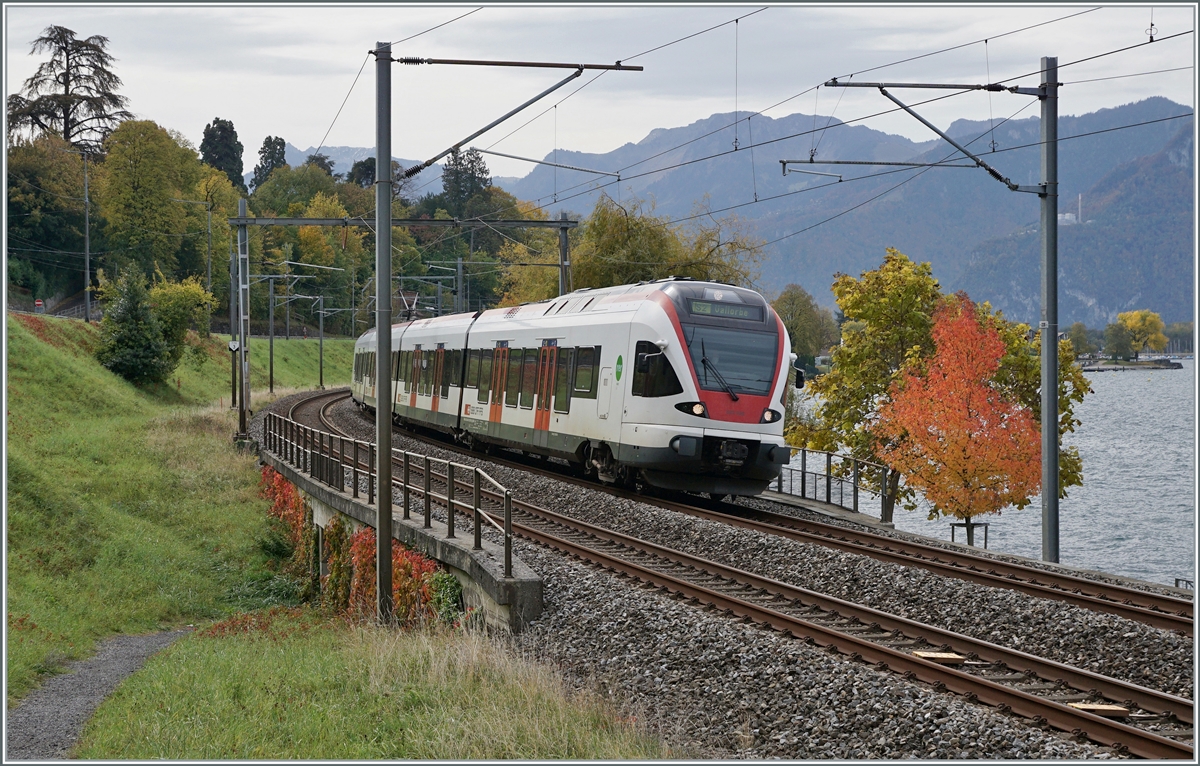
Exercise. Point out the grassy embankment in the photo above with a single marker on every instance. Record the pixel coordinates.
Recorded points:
(128, 511)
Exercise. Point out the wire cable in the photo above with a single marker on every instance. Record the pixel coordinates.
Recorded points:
(1122, 76)
(439, 26)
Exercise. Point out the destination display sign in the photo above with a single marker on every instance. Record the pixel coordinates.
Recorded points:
(728, 310)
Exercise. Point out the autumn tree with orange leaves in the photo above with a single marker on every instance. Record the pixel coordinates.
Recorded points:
(952, 433)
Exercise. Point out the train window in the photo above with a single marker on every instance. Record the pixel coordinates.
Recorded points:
(457, 368)
(395, 365)
(653, 374)
(513, 385)
(473, 368)
(586, 358)
(485, 375)
(529, 378)
(562, 380)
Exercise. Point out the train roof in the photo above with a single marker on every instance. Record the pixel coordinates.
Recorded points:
(598, 299)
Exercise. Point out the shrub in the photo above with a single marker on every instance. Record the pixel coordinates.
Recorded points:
(131, 337)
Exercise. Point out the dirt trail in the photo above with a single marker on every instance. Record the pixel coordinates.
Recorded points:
(47, 723)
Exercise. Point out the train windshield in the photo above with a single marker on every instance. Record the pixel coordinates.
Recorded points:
(746, 361)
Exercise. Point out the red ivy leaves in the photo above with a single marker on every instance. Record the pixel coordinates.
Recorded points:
(410, 578)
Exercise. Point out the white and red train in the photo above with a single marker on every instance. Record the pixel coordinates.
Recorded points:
(676, 383)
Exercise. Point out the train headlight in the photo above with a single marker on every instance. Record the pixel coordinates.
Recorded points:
(769, 416)
(693, 408)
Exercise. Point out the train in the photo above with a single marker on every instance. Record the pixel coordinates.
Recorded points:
(676, 384)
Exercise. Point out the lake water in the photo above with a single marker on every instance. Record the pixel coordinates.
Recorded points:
(1135, 513)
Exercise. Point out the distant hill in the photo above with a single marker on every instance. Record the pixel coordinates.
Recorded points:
(1134, 250)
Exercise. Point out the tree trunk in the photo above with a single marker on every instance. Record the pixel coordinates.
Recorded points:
(889, 497)
(970, 531)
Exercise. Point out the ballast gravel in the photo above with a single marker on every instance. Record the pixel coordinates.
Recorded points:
(733, 690)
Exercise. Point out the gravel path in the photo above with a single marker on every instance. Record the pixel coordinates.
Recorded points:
(46, 724)
(741, 691)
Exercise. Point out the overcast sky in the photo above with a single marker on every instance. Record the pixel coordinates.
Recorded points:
(285, 70)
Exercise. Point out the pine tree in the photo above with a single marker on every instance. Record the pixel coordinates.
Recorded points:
(222, 150)
(131, 337)
(72, 95)
(272, 155)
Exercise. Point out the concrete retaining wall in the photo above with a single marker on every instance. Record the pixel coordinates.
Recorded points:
(506, 603)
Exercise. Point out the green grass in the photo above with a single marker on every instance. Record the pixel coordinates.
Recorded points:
(293, 685)
(127, 509)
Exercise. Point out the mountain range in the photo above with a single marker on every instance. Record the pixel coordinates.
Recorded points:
(1129, 169)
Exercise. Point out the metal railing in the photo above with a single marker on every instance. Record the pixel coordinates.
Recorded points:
(1183, 582)
(831, 478)
(332, 460)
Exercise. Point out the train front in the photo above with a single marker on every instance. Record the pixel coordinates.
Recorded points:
(709, 390)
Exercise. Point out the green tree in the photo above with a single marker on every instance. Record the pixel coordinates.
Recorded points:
(179, 306)
(323, 162)
(273, 154)
(1145, 330)
(131, 337)
(811, 328)
(222, 150)
(73, 94)
(145, 171)
(1118, 343)
(290, 186)
(464, 175)
(1080, 341)
(625, 243)
(45, 215)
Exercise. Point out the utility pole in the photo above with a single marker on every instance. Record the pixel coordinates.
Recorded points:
(271, 337)
(564, 263)
(87, 246)
(1047, 192)
(458, 286)
(244, 316)
(233, 343)
(1049, 323)
(383, 330)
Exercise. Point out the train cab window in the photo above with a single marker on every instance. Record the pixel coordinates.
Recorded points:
(473, 368)
(562, 380)
(653, 374)
(485, 375)
(529, 378)
(513, 384)
(586, 359)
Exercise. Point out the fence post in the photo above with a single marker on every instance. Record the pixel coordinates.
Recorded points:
(779, 480)
(828, 477)
(803, 472)
(507, 534)
(428, 518)
(406, 475)
(354, 470)
(449, 499)
(854, 463)
(371, 474)
(478, 517)
(883, 471)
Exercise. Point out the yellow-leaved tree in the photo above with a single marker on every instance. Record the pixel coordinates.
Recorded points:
(1145, 330)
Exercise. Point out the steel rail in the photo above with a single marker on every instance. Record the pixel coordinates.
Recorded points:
(1077, 678)
(1117, 735)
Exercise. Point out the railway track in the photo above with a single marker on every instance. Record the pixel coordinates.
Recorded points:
(1158, 610)
(1158, 724)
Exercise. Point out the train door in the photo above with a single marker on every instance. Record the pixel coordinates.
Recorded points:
(547, 362)
(439, 363)
(499, 370)
(414, 379)
(604, 395)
